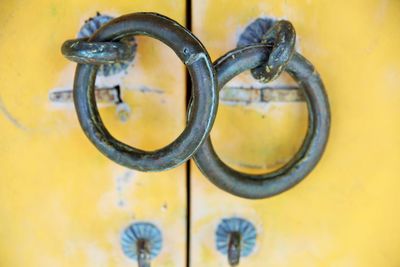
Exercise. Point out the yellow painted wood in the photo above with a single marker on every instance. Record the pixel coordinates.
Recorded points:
(62, 202)
(345, 213)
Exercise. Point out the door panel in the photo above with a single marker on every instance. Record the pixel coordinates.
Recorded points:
(63, 203)
(345, 212)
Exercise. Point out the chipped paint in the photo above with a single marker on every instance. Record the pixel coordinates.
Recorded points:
(122, 181)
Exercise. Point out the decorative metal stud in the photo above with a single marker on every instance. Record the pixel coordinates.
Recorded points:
(236, 238)
(141, 242)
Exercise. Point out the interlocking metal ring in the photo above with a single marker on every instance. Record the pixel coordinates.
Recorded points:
(269, 184)
(190, 50)
(266, 60)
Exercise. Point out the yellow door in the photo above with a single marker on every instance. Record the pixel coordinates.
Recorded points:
(63, 202)
(345, 212)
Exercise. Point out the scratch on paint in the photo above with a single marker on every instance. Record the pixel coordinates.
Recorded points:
(10, 117)
(272, 165)
(145, 89)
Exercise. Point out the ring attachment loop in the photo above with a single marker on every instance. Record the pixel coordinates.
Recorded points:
(99, 53)
(279, 38)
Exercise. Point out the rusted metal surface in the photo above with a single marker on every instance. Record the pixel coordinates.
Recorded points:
(143, 252)
(230, 95)
(234, 248)
(241, 95)
(106, 95)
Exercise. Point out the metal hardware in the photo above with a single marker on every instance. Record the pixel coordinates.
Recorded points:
(236, 238)
(234, 248)
(98, 53)
(195, 57)
(104, 95)
(112, 57)
(246, 95)
(303, 72)
(280, 36)
(143, 252)
(267, 60)
(141, 242)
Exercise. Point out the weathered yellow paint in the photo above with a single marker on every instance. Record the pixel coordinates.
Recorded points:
(346, 212)
(62, 202)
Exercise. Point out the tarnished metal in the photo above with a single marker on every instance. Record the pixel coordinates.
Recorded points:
(112, 57)
(266, 60)
(106, 95)
(247, 95)
(234, 248)
(269, 184)
(279, 36)
(143, 253)
(98, 53)
(190, 50)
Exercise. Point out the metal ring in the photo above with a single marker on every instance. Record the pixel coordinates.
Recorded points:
(270, 184)
(190, 50)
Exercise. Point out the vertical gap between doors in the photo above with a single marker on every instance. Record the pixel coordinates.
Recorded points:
(188, 163)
